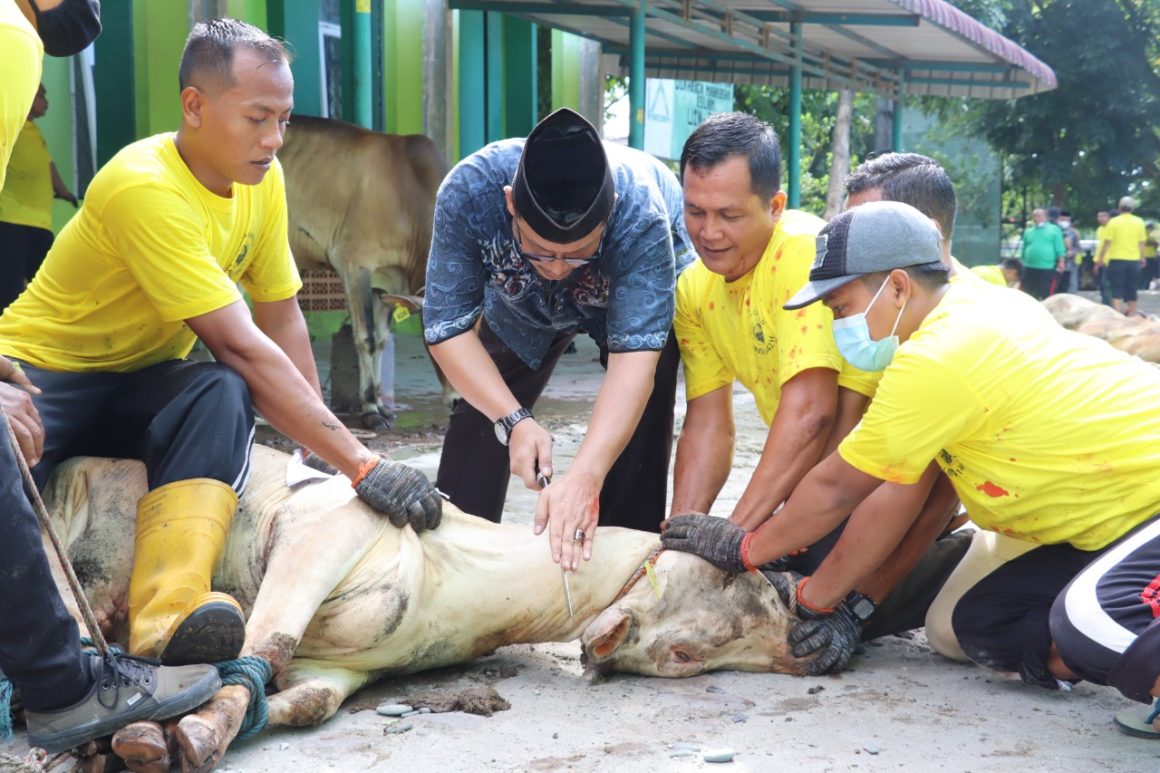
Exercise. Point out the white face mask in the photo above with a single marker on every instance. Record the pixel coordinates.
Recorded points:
(1064, 223)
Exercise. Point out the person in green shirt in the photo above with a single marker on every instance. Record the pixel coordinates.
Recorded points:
(1043, 252)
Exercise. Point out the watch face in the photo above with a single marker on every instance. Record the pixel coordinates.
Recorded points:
(501, 434)
(863, 608)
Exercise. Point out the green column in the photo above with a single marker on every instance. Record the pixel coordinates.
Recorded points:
(114, 83)
(520, 82)
(493, 55)
(363, 66)
(472, 129)
(794, 161)
(636, 78)
(896, 126)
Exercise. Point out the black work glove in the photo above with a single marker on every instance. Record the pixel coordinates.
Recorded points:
(402, 493)
(830, 636)
(717, 540)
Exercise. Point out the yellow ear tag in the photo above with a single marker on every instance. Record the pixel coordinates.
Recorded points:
(652, 578)
(401, 314)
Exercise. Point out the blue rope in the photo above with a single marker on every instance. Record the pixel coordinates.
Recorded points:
(5, 709)
(252, 672)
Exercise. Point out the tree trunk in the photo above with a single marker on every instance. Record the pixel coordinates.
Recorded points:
(840, 150)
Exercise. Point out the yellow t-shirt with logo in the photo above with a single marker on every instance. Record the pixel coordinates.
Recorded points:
(27, 195)
(21, 54)
(1125, 232)
(738, 331)
(150, 248)
(988, 387)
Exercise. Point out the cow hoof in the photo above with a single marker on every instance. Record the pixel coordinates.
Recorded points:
(143, 748)
(200, 744)
(376, 421)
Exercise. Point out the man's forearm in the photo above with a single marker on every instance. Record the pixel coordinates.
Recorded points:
(704, 454)
(793, 446)
(824, 497)
(293, 406)
(616, 414)
(286, 327)
(883, 538)
(471, 371)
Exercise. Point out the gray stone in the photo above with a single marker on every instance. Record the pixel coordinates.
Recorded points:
(871, 747)
(398, 727)
(718, 755)
(393, 709)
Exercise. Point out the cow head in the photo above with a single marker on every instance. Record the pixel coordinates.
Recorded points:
(690, 617)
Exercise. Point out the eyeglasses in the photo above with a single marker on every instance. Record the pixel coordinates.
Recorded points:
(573, 262)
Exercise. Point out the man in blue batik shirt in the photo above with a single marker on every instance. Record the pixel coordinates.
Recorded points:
(536, 240)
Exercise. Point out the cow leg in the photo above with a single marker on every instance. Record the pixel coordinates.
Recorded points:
(368, 326)
(310, 694)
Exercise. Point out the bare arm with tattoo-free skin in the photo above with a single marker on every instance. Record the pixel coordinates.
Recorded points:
(794, 444)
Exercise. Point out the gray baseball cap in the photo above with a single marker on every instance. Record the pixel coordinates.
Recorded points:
(873, 237)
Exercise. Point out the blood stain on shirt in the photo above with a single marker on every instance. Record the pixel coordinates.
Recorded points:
(991, 490)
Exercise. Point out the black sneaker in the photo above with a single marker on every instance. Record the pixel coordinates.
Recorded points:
(125, 689)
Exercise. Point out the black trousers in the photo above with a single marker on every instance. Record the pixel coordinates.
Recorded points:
(474, 468)
(183, 419)
(22, 250)
(1106, 623)
(1036, 282)
(39, 645)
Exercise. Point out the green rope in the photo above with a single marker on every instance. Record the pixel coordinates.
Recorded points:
(252, 672)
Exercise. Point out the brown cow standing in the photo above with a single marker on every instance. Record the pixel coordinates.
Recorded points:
(362, 203)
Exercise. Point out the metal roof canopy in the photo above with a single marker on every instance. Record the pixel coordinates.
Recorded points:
(889, 47)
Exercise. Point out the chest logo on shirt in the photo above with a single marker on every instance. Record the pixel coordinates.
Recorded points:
(761, 343)
(238, 264)
(951, 466)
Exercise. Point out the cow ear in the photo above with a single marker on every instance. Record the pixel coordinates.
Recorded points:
(607, 633)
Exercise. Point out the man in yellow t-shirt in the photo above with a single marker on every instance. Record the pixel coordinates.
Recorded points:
(146, 267)
(69, 696)
(730, 325)
(1027, 461)
(26, 205)
(1122, 251)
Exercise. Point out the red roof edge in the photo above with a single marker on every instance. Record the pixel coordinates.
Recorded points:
(952, 19)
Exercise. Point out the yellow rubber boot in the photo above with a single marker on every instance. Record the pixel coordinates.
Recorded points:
(181, 531)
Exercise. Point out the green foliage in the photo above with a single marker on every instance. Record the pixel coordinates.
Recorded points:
(819, 113)
(1097, 136)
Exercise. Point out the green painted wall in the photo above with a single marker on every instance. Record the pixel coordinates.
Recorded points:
(565, 70)
(57, 128)
(296, 22)
(159, 32)
(403, 34)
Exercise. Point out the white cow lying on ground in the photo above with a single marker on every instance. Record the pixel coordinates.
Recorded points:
(336, 597)
(1135, 335)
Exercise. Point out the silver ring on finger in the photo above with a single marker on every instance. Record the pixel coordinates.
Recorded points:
(579, 536)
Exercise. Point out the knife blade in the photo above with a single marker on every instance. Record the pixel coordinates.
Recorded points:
(544, 480)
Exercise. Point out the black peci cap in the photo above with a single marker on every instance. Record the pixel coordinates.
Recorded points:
(563, 186)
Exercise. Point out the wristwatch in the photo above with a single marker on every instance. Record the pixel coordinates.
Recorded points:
(861, 606)
(504, 427)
